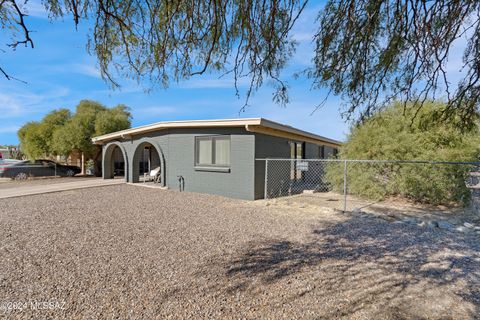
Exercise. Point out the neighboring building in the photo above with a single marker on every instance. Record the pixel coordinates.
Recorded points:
(9, 152)
(74, 159)
(4, 153)
(212, 156)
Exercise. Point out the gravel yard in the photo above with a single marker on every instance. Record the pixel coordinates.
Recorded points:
(129, 252)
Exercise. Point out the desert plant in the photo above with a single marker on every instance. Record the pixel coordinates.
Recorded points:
(392, 135)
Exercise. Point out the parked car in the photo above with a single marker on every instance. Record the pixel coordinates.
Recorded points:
(39, 168)
(8, 161)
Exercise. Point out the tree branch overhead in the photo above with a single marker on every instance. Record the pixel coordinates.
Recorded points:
(369, 52)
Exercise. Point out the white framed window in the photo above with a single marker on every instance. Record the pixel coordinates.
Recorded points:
(212, 151)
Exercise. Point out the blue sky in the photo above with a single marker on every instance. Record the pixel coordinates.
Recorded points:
(60, 73)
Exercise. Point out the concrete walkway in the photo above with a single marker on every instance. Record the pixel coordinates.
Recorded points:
(26, 190)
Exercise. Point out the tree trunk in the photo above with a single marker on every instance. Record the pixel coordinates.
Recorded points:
(83, 165)
(97, 162)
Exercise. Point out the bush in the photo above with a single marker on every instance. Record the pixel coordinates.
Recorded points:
(393, 135)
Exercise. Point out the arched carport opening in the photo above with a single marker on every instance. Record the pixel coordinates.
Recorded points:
(146, 158)
(115, 162)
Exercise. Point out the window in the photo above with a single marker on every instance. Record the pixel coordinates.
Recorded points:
(335, 152)
(45, 163)
(297, 151)
(222, 152)
(212, 151)
(321, 152)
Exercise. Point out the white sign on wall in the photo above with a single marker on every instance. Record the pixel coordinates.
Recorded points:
(302, 165)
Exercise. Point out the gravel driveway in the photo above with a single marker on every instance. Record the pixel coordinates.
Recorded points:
(129, 252)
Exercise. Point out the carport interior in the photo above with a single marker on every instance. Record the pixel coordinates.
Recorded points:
(146, 159)
(118, 163)
(114, 162)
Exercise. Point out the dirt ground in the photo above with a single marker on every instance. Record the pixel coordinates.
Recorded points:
(129, 252)
(395, 209)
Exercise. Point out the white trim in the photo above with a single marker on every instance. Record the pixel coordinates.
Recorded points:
(248, 123)
(178, 124)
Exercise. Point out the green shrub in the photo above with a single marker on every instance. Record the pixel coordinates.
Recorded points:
(393, 135)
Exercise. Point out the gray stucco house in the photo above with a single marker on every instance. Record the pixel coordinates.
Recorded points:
(212, 156)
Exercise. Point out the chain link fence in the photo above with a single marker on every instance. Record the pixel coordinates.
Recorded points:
(351, 184)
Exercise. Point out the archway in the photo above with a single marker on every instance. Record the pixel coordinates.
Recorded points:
(115, 163)
(147, 156)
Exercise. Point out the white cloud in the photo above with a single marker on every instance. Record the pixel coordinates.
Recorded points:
(36, 9)
(303, 32)
(305, 26)
(9, 129)
(303, 36)
(211, 83)
(455, 65)
(17, 101)
(154, 111)
(9, 106)
(86, 69)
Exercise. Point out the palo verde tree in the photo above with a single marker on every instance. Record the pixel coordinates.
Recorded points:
(373, 52)
(370, 52)
(389, 134)
(163, 41)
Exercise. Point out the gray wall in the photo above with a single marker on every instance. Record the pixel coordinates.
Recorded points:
(177, 147)
(238, 183)
(268, 147)
(275, 147)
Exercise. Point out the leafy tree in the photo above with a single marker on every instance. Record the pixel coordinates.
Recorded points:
(32, 142)
(75, 135)
(111, 120)
(50, 123)
(61, 133)
(390, 134)
(36, 137)
(90, 119)
(370, 52)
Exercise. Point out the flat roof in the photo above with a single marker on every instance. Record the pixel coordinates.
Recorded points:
(259, 125)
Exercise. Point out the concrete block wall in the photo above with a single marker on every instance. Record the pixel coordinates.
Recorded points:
(267, 146)
(177, 148)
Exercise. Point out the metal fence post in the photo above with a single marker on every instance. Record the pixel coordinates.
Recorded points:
(55, 170)
(266, 180)
(345, 186)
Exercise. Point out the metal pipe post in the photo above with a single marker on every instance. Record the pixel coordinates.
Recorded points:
(345, 186)
(266, 179)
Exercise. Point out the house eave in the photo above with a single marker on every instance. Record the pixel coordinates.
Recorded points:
(258, 125)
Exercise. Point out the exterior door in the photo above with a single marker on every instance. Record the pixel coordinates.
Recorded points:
(297, 152)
